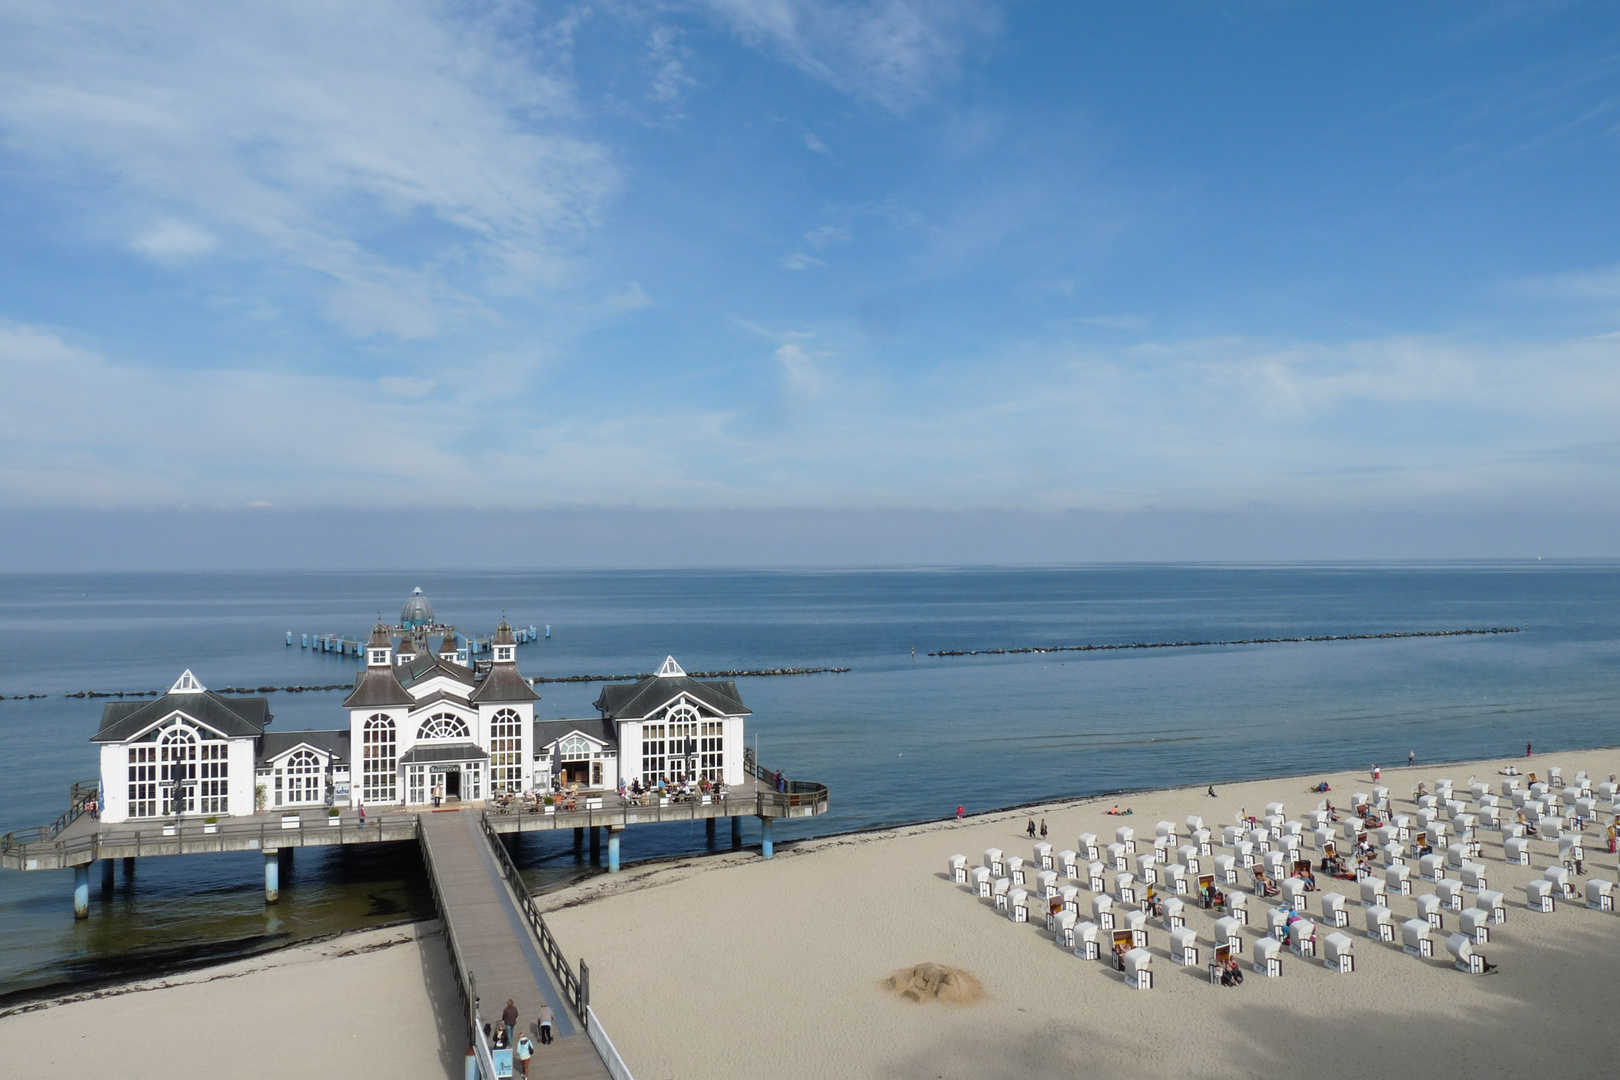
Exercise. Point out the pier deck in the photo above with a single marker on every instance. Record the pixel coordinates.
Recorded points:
(495, 944)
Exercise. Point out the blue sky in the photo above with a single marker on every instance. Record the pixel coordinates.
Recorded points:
(751, 255)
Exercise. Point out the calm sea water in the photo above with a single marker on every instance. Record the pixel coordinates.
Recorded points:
(899, 738)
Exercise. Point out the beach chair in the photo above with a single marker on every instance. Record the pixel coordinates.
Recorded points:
(1380, 798)
(993, 862)
(1600, 894)
(1274, 809)
(1230, 835)
(1302, 938)
(1550, 825)
(1585, 808)
(1147, 868)
(1607, 790)
(1373, 893)
(1338, 953)
(1193, 822)
(1454, 807)
(1562, 883)
(1570, 848)
(1489, 817)
(1277, 864)
(1277, 921)
(1473, 876)
(1237, 907)
(1261, 839)
(1118, 856)
(1428, 802)
(1084, 937)
(1136, 923)
(1127, 836)
(957, 869)
(1415, 940)
(1070, 896)
(1494, 902)
(1386, 834)
(1333, 910)
(1475, 922)
(1438, 832)
(1442, 788)
(1018, 905)
(1175, 913)
(1015, 869)
(1516, 849)
(1351, 827)
(1125, 888)
(1317, 818)
(1321, 837)
(1397, 879)
(1067, 863)
(1431, 868)
(1267, 957)
(1555, 776)
(1201, 840)
(1393, 854)
(1428, 909)
(1479, 789)
(1289, 845)
(1043, 856)
(1226, 869)
(1293, 892)
(1166, 829)
(1538, 894)
(1188, 854)
(1229, 931)
(1102, 910)
(1461, 946)
(1094, 877)
(998, 892)
(1139, 969)
(1379, 926)
(1162, 848)
(1046, 883)
(1184, 947)
(1508, 787)
(981, 882)
(1059, 922)
(1087, 846)
(1174, 877)
(1246, 854)
(1450, 893)
(1456, 855)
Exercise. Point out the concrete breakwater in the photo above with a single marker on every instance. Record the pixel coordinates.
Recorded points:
(736, 674)
(1235, 641)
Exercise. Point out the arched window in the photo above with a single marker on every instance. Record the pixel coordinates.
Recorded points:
(303, 778)
(379, 767)
(444, 726)
(506, 751)
(177, 754)
(664, 746)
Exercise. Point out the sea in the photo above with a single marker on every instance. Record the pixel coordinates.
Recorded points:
(901, 737)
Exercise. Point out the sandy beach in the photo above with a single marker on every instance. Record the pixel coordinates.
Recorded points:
(373, 1003)
(733, 967)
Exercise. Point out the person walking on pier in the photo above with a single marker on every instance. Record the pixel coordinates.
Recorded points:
(525, 1051)
(545, 1024)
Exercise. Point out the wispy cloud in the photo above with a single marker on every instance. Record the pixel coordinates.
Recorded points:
(816, 145)
(172, 239)
(800, 261)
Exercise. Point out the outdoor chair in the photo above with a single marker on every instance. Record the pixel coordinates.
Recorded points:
(1333, 910)
(958, 869)
(1475, 922)
(1184, 947)
(1139, 969)
(1461, 946)
(1415, 940)
(1338, 953)
(1267, 957)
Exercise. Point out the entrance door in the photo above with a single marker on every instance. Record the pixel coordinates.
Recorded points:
(452, 784)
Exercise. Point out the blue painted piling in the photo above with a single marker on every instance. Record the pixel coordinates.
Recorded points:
(766, 849)
(81, 891)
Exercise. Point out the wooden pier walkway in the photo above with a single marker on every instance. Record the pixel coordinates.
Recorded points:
(496, 945)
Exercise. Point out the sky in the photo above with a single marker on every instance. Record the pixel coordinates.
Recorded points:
(1098, 272)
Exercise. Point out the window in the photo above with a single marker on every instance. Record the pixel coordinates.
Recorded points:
(417, 784)
(444, 726)
(177, 756)
(304, 778)
(682, 741)
(505, 752)
(214, 790)
(143, 774)
(652, 753)
(379, 768)
(712, 751)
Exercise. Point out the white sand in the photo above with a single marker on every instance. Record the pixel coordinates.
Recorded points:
(734, 967)
(369, 1004)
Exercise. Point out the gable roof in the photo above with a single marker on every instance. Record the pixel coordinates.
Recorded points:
(427, 666)
(238, 718)
(334, 743)
(504, 684)
(377, 688)
(641, 699)
(599, 730)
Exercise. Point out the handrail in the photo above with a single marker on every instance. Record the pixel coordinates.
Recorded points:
(575, 987)
(616, 1067)
(466, 981)
(79, 796)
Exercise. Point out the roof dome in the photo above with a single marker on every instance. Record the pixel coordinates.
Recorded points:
(418, 612)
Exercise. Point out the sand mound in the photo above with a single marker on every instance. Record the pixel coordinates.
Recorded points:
(935, 982)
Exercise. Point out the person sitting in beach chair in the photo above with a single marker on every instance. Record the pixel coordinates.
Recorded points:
(1231, 973)
(1302, 870)
(1263, 886)
(1217, 899)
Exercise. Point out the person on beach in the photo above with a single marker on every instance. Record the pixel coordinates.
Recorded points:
(509, 1015)
(959, 812)
(1411, 758)
(1375, 771)
(1030, 828)
(1526, 749)
(525, 1051)
(1043, 828)
(545, 1025)
(1211, 792)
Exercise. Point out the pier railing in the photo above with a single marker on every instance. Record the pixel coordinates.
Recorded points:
(577, 988)
(466, 982)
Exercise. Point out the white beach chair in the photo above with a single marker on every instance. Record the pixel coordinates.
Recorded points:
(1473, 876)
(1415, 940)
(1166, 829)
(1450, 893)
(1489, 817)
(1397, 879)
(1494, 902)
(1246, 854)
(1230, 835)
(1147, 868)
(1338, 953)
(1136, 923)
(1302, 938)
(1018, 905)
(1384, 835)
(1317, 818)
(1516, 849)
(1479, 789)
(981, 882)
(1070, 895)
(1094, 877)
(1086, 846)
(1125, 888)
(998, 892)
(1226, 869)
(1380, 797)
(1373, 893)
(1127, 836)
(1162, 848)
(1139, 969)
(1060, 923)
(1084, 936)
(1538, 894)
(1276, 865)
(1068, 863)
(1261, 839)
(1174, 877)
(1430, 868)
(1379, 926)
(1570, 848)
(1118, 856)
(1201, 840)
(1277, 921)
(1555, 775)
(1350, 827)
(1187, 855)
(1333, 910)
(1461, 946)
(1237, 906)
(1442, 787)
(1393, 854)
(1015, 869)
(1456, 855)
(1184, 947)
(1229, 931)
(1428, 802)
(1293, 892)
(1563, 884)
(1600, 894)
(1267, 957)
(1175, 913)
(1428, 909)
(1043, 856)
(1475, 922)
(1607, 790)
(1274, 809)
(1046, 883)
(993, 862)
(958, 869)
(1193, 823)
(1102, 910)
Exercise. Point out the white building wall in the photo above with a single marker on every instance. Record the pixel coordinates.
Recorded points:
(630, 751)
(114, 782)
(732, 731)
(404, 732)
(239, 782)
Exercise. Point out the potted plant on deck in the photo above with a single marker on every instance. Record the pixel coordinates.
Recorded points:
(261, 796)
(332, 817)
(551, 804)
(211, 824)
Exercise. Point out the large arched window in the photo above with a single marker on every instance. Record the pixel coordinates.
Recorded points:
(506, 751)
(177, 754)
(379, 767)
(444, 726)
(664, 746)
(303, 778)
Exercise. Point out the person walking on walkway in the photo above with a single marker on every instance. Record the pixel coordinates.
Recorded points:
(525, 1051)
(545, 1025)
(509, 1015)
